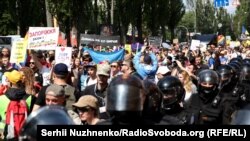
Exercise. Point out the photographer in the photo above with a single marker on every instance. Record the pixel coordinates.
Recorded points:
(148, 67)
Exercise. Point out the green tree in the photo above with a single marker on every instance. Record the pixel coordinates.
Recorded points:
(8, 24)
(241, 16)
(188, 21)
(176, 12)
(18, 15)
(205, 17)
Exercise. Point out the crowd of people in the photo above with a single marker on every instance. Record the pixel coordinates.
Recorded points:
(163, 86)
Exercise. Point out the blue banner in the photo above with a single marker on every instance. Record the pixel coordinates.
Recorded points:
(110, 56)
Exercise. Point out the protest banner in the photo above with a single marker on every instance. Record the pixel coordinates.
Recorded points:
(18, 52)
(100, 40)
(43, 38)
(155, 41)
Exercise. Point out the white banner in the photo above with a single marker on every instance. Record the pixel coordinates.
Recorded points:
(63, 55)
(43, 38)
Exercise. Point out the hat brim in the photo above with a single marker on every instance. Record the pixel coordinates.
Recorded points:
(105, 74)
(79, 105)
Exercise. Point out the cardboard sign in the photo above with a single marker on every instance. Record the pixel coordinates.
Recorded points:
(43, 38)
(18, 52)
(195, 44)
(176, 41)
(155, 41)
(63, 55)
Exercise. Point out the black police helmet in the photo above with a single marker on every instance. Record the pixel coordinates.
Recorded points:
(225, 72)
(47, 115)
(209, 77)
(172, 90)
(125, 93)
(246, 61)
(238, 60)
(245, 72)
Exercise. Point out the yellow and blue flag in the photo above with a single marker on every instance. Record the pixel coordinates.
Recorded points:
(108, 56)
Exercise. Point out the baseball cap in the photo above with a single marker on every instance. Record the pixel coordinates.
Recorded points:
(13, 76)
(85, 101)
(103, 69)
(162, 70)
(91, 64)
(55, 90)
(61, 69)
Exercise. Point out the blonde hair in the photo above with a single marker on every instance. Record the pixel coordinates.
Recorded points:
(187, 81)
(29, 79)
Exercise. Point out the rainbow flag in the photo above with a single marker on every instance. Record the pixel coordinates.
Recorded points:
(221, 40)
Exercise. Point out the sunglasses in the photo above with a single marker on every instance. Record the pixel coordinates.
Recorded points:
(82, 110)
(123, 64)
(32, 62)
(113, 66)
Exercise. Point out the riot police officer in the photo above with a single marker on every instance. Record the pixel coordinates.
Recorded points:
(47, 115)
(227, 91)
(205, 106)
(173, 94)
(125, 99)
(225, 73)
(152, 104)
(244, 90)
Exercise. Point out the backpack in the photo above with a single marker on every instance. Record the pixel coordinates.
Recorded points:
(16, 115)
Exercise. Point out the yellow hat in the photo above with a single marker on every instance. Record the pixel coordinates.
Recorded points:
(13, 76)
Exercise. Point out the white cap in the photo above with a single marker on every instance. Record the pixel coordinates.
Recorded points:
(165, 45)
(163, 70)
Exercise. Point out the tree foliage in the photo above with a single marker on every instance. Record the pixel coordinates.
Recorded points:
(147, 16)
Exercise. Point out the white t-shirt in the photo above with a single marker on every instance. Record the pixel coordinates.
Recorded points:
(45, 71)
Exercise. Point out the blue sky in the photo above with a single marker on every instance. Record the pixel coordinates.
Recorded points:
(231, 9)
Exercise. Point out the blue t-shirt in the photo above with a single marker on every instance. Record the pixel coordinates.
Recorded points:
(211, 62)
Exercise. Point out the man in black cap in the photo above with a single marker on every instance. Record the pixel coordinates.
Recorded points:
(59, 76)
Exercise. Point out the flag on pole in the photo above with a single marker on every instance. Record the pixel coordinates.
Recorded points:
(244, 30)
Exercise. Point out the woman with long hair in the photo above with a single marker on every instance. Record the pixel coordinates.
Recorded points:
(188, 85)
(28, 79)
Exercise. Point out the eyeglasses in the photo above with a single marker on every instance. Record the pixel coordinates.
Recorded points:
(82, 110)
(113, 66)
(123, 64)
(32, 62)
